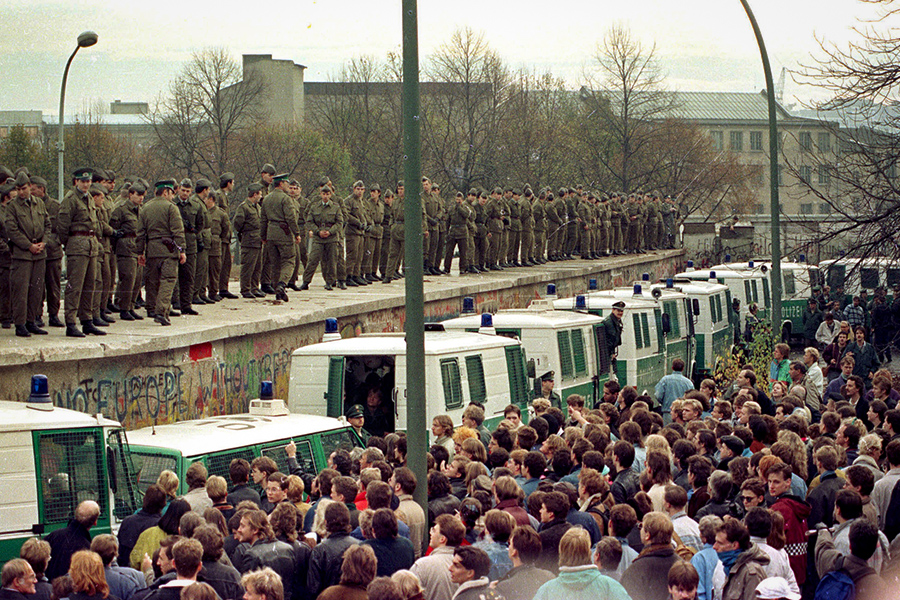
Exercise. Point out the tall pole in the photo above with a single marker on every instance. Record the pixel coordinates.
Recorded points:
(61, 132)
(416, 424)
(774, 148)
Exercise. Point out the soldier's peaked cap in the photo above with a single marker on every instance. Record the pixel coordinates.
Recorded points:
(22, 179)
(280, 177)
(268, 168)
(253, 188)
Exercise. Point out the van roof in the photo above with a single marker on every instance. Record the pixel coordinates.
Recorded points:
(436, 342)
(537, 319)
(695, 287)
(202, 436)
(26, 416)
(628, 292)
(703, 274)
(605, 302)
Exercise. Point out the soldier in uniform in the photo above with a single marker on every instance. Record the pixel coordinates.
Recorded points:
(355, 231)
(301, 203)
(193, 224)
(668, 216)
(635, 215)
(53, 269)
(555, 227)
(436, 228)
(386, 234)
(538, 204)
(653, 220)
(76, 226)
(27, 227)
(247, 227)
(278, 223)
(494, 210)
(226, 186)
(432, 213)
(124, 221)
(160, 244)
(458, 235)
(515, 229)
(201, 274)
(220, 236)
(604, 217)
(395, 255)
(615, 224)
(326, 222)
(374, 235)
(478, 243)
(7, 191)
(584, 218)
(526, 242)
(101, 316)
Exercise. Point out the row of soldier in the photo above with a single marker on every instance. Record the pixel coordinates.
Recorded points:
(357, 240)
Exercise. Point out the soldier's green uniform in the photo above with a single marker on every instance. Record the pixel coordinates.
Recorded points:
(395, 255)
(458, 215)
(382, 259)
(572, 225)
(246, 225)
(653, 220)
(478, 244)
(26, 224)
(53, 269)
(555, 212)
(76, 226)
(226, 183)
(538, 213)
(204, 240)
(526, 244)
(301, 203)
(616, 243)
(374, 235)
(124, 221)
(604, 220)
(635, 218)
(278, 222)
(668, 216)
(585, 220)
(192, 218)
(355, 230)
(160, 238)
(515, 230)
(5, 257)
(494, 211)
(434, 213)
(507, 224)
(326, 221)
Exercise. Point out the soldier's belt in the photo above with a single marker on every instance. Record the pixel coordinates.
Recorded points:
(83, 233)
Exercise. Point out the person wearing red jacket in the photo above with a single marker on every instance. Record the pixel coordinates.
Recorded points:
(795, 512)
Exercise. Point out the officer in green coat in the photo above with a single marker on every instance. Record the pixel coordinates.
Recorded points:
(27, 226)
(246, 225)
(160, 241)
(374, 234)
(124, 221)
(278, 223)
(612, 329)
(193, 221)
(326, 222)
(459, 215)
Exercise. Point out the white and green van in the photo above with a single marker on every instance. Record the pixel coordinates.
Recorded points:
(329, 377)
(713, 330)
(263, 431)
(797, 281)
(570, 344)
(857, 274)
(51, 459)
(746, 286)
(641, 358)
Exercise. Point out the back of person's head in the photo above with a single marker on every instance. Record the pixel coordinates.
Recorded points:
(346, 487)
(608, 553)
(849, 503)
(384, 524)
(675, 496)
(736, 531)
(187, 556)
(189, 522)
(378, 495)
(212, 541)
(196, 475)
(709, 525)
(407, 582)
(359, 566)
(861, 477)
(624, 453)
(337, 518)
(199, 591)
(683, 576)
(893, 453)
(535, 464)
(622, 518)
(556, 503)
(658, 527)
(86, 570)
(171, 519)
(264, 582)
(107, 546)
(154, 499)
(863, 539)
(473, 559)
(719, 486)
(386, 588)
(239, 471)
(527, 543)
(87, 513)
(575, 548)
(37, 552)
(759, 522)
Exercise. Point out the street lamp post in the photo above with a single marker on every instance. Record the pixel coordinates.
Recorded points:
(87, 38)
(774, 204)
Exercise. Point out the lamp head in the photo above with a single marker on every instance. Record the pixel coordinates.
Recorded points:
(87, 38)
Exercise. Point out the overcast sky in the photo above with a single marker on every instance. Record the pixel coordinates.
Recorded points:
(703, 45)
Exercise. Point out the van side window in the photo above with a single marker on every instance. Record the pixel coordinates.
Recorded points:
(766, 299)
(217, 464)
(638, 335)
(578, 357)
(645, 325)
(475, 375)
(747, 293)
(70, 471)
(148, 466)
(671, 309)
(712, 310)
(790, 286)
(566, 366)
(304, 456)
(603, 351)
(868, 278)
(719, 307)
(333, 440)
(515, 369)
(836, 275)
(451, 382)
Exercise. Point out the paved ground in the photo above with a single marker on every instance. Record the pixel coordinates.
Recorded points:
(245, 316)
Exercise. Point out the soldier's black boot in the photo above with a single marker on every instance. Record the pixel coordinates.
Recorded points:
(135, 316)
(22, 331)
(33, 328)
(267, 288)
(280, 294)
(55, 322)
(73, 331)
(125, 315)
(88, 327)
(99, 322)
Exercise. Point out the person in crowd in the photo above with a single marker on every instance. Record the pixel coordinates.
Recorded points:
(647, 577)
(579, 578)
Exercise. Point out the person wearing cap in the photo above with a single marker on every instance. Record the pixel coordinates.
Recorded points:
(278, 222)
(160, 243)
(355, 230)
(398, 233)
(372, 252)
(458, 216)
(382, 259)
(7, 193)
(219, 236)
(546, 392)
(514, 230)
(477, 231)
(326, 224)
(612, 327)
(526, 237)
(494, 213)
(540, 229)
(103, 274)
(301, 203)
(124, 221)
(557, 215)
(76, 225)
(27, 227)
(356, 418)
(246, 225)
(53, 268)
(192, 215)
(226, 186)
(204, 240)
(432, 224)
(266, 175)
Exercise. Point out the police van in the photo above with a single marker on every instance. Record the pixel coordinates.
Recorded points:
(641, 358)
(329, 377)
(264, 430)
(52, 459)
(571, 344)
(797, 282)
(675, 320)
(854, 275)
(747, 287)
(713, 330)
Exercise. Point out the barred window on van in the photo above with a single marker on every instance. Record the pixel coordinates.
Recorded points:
(71, 471)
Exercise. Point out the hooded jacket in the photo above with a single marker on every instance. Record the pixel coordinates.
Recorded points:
(745, 574)
(795, 512)
(582, 583)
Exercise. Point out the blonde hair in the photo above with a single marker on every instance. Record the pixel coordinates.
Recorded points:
(168, 481)
(575, 548)
(464, 433)
(216, 488)
(408, 582)
(658, 443)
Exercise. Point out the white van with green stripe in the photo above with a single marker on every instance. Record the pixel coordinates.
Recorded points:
(713, 330)
(51, 459)
(571, 344)
(329, 377)
(746, 286)
(641, 358)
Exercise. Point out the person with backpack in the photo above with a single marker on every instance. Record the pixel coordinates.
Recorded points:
(848, 577)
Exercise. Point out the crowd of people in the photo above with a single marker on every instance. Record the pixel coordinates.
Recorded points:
(173, 251)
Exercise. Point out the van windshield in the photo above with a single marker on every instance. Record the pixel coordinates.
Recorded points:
(148, 466)
(335, 440)
(71, 471)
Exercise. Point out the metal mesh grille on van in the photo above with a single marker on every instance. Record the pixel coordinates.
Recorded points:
(71, 472)
(217, 464)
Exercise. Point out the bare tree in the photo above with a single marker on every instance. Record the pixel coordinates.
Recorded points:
(622, 99)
